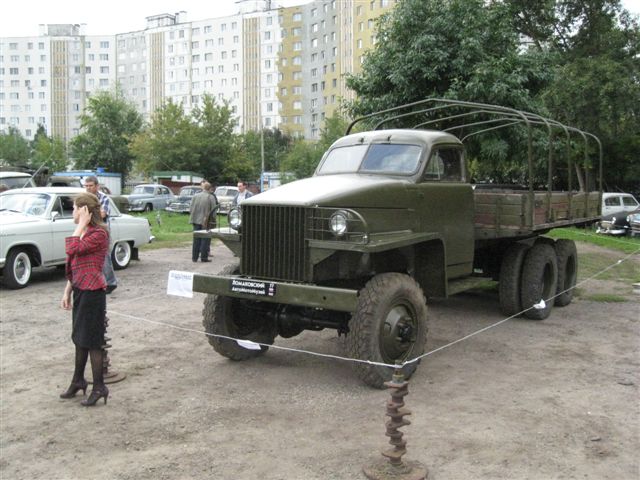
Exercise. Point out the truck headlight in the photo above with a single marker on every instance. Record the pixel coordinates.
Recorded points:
(235, 218)
(338, 223)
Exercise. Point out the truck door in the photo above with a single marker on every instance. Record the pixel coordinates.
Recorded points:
(445, 202)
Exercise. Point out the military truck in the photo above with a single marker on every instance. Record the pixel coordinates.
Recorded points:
(391, 217)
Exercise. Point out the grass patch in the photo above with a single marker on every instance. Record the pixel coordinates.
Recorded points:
(623, 244)
(606, 298)
(592, 263)
(171, 229)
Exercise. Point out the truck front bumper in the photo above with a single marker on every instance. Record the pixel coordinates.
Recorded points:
(340, 299)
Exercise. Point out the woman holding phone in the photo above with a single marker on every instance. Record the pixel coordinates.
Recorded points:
(86, 249)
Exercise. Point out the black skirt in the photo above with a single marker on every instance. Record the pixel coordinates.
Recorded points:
(88, 315)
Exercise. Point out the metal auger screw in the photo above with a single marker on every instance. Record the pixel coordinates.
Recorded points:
(394, 468)
(110, 376)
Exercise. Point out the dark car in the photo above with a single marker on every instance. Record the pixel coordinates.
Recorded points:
(634, 224)
(182, 203)
(619, 223)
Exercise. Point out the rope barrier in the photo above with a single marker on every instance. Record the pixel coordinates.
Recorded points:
(250, 344)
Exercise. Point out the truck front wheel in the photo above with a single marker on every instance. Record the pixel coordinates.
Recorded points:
(389, 325)
(231, 317)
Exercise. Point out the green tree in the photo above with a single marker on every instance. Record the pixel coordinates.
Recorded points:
(14, 148)
(214, 137)
(276, 145)
(48, 152)
(106, 129)
(462, 49)
(168, 143)
(301, 161)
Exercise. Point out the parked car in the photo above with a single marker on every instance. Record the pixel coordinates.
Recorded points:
(147, 197)
(61, 181)
(16, 180)
(225, 195)
(619, 224)
(634, 224)
(35, 221)
(614, 203)
(182, 203)
(120, 200)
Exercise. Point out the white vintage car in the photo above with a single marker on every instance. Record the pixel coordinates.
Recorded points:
(35, 221)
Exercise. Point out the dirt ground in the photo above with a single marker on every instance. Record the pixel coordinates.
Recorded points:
(556, 399)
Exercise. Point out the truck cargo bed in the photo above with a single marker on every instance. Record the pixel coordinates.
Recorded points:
(503, 212)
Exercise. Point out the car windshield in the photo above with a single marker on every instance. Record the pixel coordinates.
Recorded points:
(29, 203)
(17, 182)
(225, 191)
(189, 191)
(143, 190)
(394, 159)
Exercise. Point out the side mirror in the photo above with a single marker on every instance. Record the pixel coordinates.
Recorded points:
(54, 215)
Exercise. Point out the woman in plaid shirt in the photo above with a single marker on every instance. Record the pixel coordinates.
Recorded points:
(86, 249)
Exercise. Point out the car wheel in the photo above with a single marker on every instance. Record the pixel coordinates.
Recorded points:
(233, 317)
(17, 271)
(148, 207)
(389, 325)
(121, 255)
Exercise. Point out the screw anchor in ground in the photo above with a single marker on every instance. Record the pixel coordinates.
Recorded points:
(393, 468)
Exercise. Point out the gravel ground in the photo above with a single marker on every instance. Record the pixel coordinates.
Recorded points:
(556, 399)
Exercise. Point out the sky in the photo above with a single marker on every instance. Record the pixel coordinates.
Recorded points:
(20, 18)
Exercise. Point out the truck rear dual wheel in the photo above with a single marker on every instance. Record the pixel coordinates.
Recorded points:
(567, 256)
(230, 317)
(539, 281)
(510, 279)
(389, 325)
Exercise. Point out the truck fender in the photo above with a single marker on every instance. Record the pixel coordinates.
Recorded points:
(430, 268)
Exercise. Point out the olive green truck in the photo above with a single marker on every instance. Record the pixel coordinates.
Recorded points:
(391, 217)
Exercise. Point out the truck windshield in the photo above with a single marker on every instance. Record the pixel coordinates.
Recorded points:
(394, 159)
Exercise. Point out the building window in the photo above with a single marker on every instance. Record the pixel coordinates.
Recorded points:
(104, 44)
(297, 17)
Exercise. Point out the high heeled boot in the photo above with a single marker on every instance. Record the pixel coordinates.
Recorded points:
(77, 382)
(99, 390)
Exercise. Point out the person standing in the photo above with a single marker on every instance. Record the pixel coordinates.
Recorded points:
(202, 205)
(243, 193)
(86, 249)
(91, 186)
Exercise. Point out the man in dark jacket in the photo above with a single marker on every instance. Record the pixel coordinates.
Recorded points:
(202, 205)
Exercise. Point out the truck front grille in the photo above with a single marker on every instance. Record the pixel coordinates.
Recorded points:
(273, 242)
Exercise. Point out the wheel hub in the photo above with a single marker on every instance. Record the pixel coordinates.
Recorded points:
(398, 335)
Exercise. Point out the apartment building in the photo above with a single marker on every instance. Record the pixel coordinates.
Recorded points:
(277, 67)
(46, 80)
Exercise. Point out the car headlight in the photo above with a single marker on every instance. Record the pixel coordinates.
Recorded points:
(338, 223)
(235, 218)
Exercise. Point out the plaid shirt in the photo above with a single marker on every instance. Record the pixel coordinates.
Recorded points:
(85, 259)
(105, 205)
